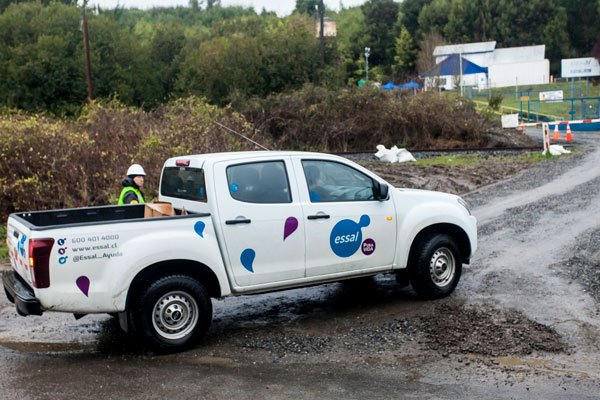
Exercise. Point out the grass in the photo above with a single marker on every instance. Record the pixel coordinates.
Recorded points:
(511, 101)
(450, 160)
(465, 160)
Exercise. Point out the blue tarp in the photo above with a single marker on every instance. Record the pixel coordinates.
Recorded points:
(389, 86)
(410, 85)
(452, 64)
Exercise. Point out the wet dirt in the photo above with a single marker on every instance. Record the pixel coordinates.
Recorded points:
(523, 322)
(445, 178)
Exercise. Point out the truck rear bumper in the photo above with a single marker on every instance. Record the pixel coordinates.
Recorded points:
(20, 294)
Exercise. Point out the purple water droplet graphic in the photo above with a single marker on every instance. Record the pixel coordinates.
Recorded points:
(83, 283)
(291, 224)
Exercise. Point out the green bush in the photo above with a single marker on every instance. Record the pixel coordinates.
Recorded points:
(495, 101)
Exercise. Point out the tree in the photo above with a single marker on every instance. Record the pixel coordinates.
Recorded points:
(519, 23)
(406, 53)
(220, 67)
(556, 39)
(434, 16)
(425, 59)
(461, 25)
(122, 64)
(290, 55)
(195, 5)
(41, 56)
(307, 7)
(165, 47)
(483, 22)
(380, 20)
(5, 3)
(583, 18)
(212, 3)
(409, 11)
(351, 40)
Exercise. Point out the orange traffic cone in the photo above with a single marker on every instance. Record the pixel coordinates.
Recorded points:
(569, 137)
(555, 135)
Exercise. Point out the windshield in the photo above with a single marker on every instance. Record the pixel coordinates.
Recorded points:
(183, 183)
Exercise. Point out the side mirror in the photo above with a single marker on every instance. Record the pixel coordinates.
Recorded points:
(380, 191)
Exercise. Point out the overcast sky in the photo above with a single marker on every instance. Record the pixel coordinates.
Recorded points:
(281, 7)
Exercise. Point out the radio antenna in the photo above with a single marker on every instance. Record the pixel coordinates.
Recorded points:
(239, 134)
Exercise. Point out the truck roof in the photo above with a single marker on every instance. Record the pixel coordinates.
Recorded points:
(240, 155)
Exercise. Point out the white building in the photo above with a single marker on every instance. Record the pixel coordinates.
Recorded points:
(505, 67)
(329, 27)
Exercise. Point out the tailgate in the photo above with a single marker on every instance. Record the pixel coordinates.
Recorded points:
(17, 240)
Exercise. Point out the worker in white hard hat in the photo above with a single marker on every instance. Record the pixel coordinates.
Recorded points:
(132, 186)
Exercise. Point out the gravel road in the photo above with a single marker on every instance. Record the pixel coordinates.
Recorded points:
(523, 323)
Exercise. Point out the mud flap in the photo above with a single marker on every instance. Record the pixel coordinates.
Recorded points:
(124, 321)
(402, 277)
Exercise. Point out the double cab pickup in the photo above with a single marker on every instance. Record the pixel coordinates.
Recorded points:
(243, 223)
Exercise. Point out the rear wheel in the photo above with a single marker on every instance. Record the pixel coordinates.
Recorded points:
(436, 266)
(172, 313)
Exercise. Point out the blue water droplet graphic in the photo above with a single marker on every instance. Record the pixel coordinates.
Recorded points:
(247, 259)
(199, 228)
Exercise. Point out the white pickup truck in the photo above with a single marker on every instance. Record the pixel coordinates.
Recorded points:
(255, 222)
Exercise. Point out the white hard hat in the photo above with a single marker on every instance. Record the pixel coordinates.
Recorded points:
(136, 170)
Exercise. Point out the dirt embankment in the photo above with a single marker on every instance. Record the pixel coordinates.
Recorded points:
(489, 167)
(446, 178)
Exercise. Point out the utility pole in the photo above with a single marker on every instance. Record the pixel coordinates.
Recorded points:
(367, 52)
(86, 49)
(461, 73)
(322, 31)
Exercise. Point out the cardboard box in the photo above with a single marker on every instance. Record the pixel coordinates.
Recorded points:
(158, 209)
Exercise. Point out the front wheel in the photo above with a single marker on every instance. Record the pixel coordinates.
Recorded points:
(172, 313)
(436, 266)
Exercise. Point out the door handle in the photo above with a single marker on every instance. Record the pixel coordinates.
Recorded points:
(319, 216)
(237, 221)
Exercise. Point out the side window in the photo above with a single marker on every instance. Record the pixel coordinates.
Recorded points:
(330, 181)
(260, 182)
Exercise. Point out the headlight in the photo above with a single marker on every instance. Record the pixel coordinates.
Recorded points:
(464, 204)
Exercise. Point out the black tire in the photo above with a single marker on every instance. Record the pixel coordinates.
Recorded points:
(172, 313)
(436, 266)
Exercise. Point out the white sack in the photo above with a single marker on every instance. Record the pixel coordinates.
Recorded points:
(393, 155)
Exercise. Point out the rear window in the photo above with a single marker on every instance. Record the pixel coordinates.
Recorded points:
(183, 183)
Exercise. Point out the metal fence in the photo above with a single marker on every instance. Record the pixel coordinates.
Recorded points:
(545, 111)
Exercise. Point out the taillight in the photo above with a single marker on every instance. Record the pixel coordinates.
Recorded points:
(182, 163)
(39, 261)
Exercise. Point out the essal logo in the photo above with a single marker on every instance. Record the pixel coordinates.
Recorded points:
(346, 236)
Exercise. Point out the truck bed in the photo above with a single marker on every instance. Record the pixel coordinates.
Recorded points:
(42, 220)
